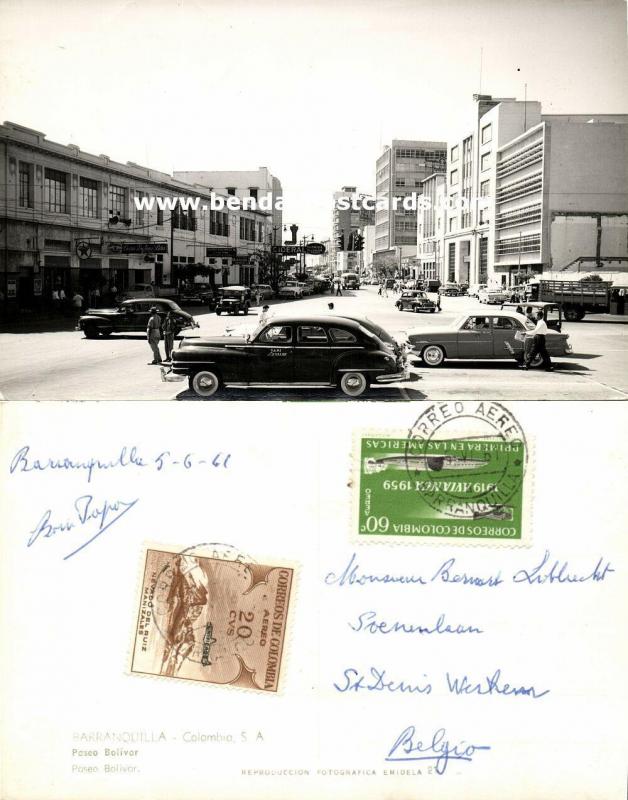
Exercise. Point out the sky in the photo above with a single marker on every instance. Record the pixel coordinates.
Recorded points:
(311, 90)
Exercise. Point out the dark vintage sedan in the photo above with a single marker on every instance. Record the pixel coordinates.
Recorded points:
(131, 316)
(316, 351)
(499, 334)
(415, 300)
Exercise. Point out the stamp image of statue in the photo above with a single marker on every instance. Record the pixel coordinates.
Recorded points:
(459, 475)
(212, 620)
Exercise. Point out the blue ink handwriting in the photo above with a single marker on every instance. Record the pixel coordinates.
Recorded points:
(558, 574)
(407, 748)
(368, 622)
(100, 516)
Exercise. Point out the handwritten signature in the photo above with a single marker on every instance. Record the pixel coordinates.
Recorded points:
(128, 456)
(87, 515)
(408, 748)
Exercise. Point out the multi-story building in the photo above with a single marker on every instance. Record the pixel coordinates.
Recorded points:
(528, 193)
(256, 184)
(69, 220)
(471, 184)
(399, 173)
(346, 223)
(431, 226)
(561, 197)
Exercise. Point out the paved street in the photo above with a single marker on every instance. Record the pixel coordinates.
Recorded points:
(63, 365)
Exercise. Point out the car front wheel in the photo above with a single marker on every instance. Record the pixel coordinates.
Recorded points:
(205, 383)
(91, 332)
(433, 355)
(353, 384)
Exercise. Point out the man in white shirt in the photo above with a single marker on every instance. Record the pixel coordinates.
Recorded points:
(538, 345)
(264, 315)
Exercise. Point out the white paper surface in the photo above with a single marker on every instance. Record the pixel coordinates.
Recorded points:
(284, 498)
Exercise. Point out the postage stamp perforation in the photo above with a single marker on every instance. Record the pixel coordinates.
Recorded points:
(209, 551)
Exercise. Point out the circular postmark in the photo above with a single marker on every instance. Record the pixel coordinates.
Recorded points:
(468, 458)
(179, 596)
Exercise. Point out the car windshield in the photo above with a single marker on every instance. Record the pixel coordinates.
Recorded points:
(232, 293)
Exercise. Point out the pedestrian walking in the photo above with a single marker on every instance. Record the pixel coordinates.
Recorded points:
(258, 297)
(379, 291)
(153, 334)
(169, 330)
(438, 302)
(55, 300)
(338, 288)
(263, 317)
(77, 304)
(384, 290)
(539, 346)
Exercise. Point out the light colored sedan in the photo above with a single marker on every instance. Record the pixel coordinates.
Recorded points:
(493, 295)
(292, 289)
(264, 290)
(496, 334)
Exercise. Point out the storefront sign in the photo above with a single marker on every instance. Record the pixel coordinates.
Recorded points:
(220, 252)
(315, 249)
(38, 286)
(287, 249)
(137, 248)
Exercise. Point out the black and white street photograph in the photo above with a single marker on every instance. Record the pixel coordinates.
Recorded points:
(387, 201)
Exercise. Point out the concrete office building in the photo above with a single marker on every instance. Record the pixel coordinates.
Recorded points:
(69, 221)
(399, 172)
(345, 224)
(561, 197)
(431, 227)
(529, 192)
(468, 237)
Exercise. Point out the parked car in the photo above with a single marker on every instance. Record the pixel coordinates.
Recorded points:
(312, 351)
(292, 289)
(199, 294)
(475, 289)
(233, 299)
(415, 300)
(264, 289)
(131, 315)
(493, 295)
(498, 334)
(449, 290)
(141, 290)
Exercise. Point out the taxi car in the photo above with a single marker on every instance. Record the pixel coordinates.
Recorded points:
(415, 300)
(131, 315)
(308, 351)
(496, 334)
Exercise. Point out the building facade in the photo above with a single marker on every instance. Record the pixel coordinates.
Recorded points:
(399, 173)
(255, 184)
(70, 221)
(431, 227)
(346, 223)
(529, 193)
(561, 197)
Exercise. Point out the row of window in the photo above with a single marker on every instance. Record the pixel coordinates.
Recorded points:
(427, 155)
(518, 244)
(250, 231)
(527, 156)
(307, 334)
(519, 216)
(521, 188)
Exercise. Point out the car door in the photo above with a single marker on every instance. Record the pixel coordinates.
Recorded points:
(311, 354)
(271, 356)
(139, 319)
(475, 338)
(504, 330)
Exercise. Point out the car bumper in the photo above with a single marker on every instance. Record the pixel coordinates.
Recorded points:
(397, 376)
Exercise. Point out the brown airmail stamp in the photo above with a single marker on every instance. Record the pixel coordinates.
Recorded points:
(212, 620)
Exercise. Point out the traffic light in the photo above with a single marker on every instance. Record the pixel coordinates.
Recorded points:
(340, 241)
(358, 242)
(351, 241)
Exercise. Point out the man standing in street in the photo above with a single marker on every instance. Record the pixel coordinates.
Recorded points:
(338, 287)
(169, 332)
(153, 333)
(539, 346)
(77, 304)
(263, 317)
